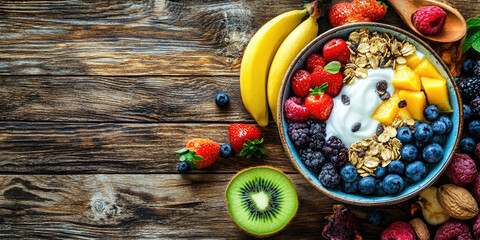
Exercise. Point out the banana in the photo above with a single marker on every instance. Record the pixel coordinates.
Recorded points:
(257, 59)
(291, 46)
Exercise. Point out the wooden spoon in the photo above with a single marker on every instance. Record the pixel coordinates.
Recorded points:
(453, 30)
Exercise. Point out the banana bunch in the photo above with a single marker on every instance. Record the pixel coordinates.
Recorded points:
(268, 55)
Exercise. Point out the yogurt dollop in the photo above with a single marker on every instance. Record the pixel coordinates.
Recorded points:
(363, 103)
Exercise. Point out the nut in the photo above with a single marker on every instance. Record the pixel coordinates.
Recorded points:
(432, 211)
(457, 201)
(420, 229)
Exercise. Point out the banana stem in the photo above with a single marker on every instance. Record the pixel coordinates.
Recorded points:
(312, 9)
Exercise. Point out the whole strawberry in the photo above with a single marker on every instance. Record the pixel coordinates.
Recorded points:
(331, 75)
(245, 140)
(369, 9)
(314, 60)
(342, 13)
(199, 152)
(319, 104)
(301, 83)
(336, 49)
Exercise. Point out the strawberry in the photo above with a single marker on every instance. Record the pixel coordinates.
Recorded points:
(342, 13)
(331, 75)
(245, 140)
(301, 83)
(319, 104)
(336, 49)
(369, 9)
(200, 152)
(313, 60)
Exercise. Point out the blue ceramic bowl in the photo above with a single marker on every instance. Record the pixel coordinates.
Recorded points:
(455, 100)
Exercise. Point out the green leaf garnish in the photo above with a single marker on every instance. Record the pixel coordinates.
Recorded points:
(252, 148)
(187, 155)
(333, 67)
(472, 39)
(319, 90)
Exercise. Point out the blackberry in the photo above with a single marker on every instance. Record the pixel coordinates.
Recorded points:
(475, 107)
(313, 160)
(476, 67)
(470, 88)
(317, 134)
(336, 152)
(329, 177)
(298, 133)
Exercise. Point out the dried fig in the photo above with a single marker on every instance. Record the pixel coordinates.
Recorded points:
(432, 211)
(457, 201)
(420, 229)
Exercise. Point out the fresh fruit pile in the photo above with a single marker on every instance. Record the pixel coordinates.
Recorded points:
(356, 11)
(407, 136)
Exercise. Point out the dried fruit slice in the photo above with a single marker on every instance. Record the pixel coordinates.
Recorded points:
(261, 200)
(341, 225)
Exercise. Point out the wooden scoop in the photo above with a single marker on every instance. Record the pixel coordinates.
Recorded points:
(453, 30)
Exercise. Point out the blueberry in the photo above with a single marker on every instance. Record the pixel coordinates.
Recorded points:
(379, 189)
(467, 66)
(439, 127)
(409, 152)
(418, 123)
(349, 173)
(380, 172)
(415, 171)
(396, 167)
(467, 113)
(419, 145)
(404, 134)
(367, 185)
(221, 99)
(226, 151)
(431, 113)
(432, 153)
(474, 129)
(440, 139)
(374, 217)
(467, 145)
(393, 184)
(447, 122)
(350, 187)
(184, 167)
(423, 132)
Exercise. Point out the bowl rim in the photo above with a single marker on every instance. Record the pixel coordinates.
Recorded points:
(359, 202)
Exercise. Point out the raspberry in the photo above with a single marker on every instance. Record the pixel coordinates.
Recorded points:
(298, 133)
(314, 60)
(461, 170)
(295, 110)
(301, 83)
(475, 189)
(329, 177)
(341, 225)
(453, 229)
(336, 151)
(476, 227)
(429, 19)
(399, 231)
(477, 151)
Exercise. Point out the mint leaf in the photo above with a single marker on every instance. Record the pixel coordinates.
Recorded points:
(473, 21)
(333, 67)
(467, 44)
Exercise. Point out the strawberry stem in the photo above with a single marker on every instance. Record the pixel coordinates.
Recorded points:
(319, 90)
(187, 155)
(252, 148)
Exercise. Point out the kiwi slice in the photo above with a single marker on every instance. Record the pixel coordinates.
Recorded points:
(261, 200)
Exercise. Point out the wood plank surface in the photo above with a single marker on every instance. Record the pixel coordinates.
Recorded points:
(120, 99)
(134, 37)
(162, 206)
(63, 148)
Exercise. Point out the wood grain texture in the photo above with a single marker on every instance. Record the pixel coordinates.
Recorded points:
(120, 99)
(118, 147)
(146, 206)
(133, 37)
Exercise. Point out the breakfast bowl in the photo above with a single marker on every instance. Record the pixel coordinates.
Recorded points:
(416, 78)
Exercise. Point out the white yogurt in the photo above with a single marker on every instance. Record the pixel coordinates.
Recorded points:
(363, 103)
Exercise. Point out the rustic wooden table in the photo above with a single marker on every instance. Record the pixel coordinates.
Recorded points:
(96, 96)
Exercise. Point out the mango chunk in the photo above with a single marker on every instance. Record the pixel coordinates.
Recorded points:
(404, 114)
(416, 103)
(387, 110)
(413, 60)
(406, 79)
(426, 69)
(437, 93)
